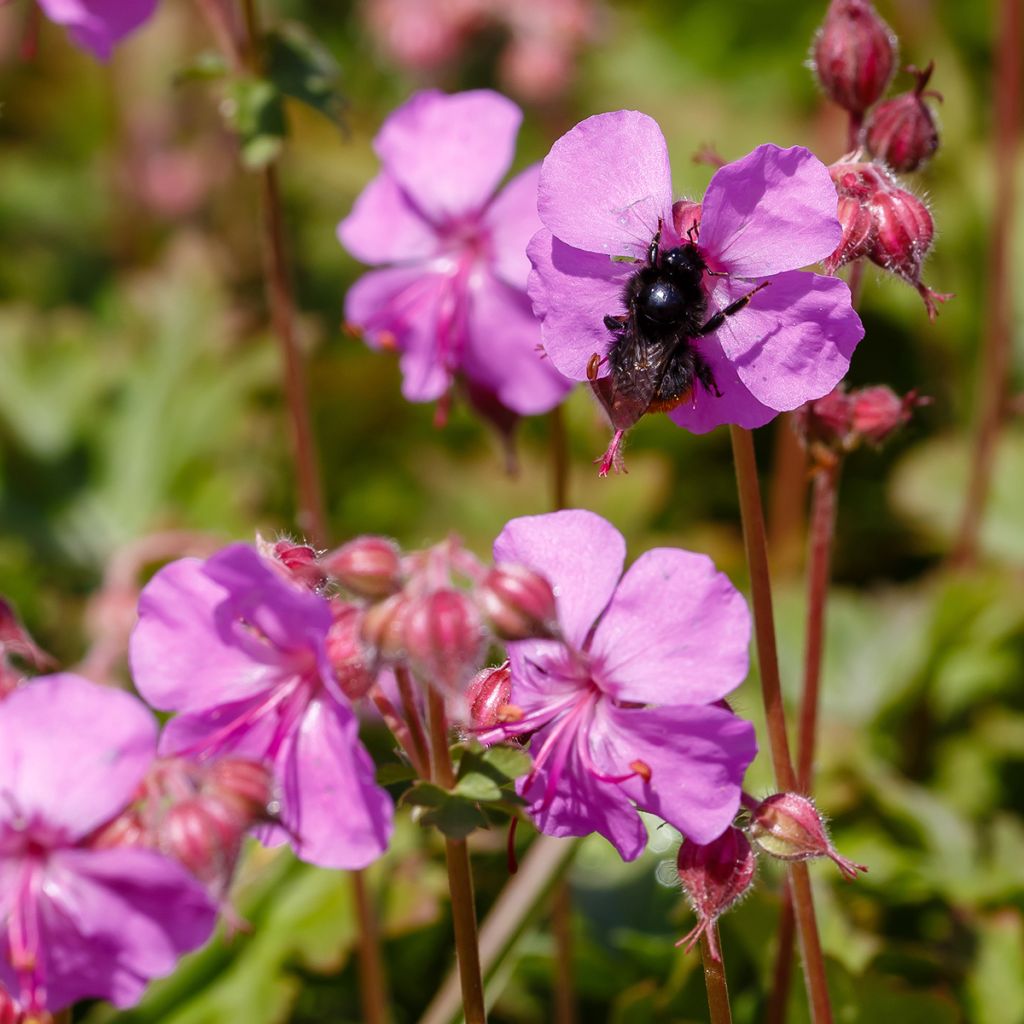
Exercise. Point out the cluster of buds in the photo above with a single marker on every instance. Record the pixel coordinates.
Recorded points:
(434, 611)
(17, 645)
(844, 419)
(195, 813)
(715, 877)
(884, 222)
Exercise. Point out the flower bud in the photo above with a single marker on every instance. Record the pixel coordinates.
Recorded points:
(878, 412)
(126, 829)
(858, 233)
(854, 54)
(826, 421)
(517, 602)
(382, 626)
(368, 566)
(444, 639)
(15, 639)
(489, 691)
(204, 836)
(345, 652)
(902, 131)
(686, 217)
(789, 827)
(714, 877)
(244, 786)
(296, 561)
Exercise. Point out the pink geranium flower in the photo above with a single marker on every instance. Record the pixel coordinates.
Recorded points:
(239, 651)
(452, 299)
(606, 187)
(623, 709)
(77, 922)
(96, 25)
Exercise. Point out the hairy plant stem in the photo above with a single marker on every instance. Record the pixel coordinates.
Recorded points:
(998, 344)
(719, 1011)
(752, 516)
(414, 721)
(460, 876)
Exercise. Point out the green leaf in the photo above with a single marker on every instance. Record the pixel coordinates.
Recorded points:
(301, 67)
(456, 818)
(392, 772)
(425, 794)
(254, 109)
(477, 786)
(511, 762)
(204, 67)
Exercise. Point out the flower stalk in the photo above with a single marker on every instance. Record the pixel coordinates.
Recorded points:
(719, 1011)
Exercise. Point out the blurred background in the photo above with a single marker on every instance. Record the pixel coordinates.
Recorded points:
(141, 417)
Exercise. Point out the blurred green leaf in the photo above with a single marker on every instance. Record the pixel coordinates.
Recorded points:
(209, 65)
(477, 786)
(254, 110)
(300, 66)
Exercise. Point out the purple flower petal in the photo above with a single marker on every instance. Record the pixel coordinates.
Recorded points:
(449, 152)
(606, 183)
(774, 210)
(511, 221)
(384, 227)
(331, 803)
(236, 727)
(71, 752)
(580, 553)
(113, 919)
(96, 25)
(696, 756)
(795, 339)
(695, 655)
(581, 804)
(179, 661)
(573, 291)
(502, 351)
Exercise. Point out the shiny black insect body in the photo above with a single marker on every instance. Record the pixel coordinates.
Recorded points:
(654, 361)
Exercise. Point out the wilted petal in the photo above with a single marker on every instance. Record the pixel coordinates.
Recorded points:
(795, 339)
(449, 152)
(502, 351)
(696, 757)
(96, 25)
(331, 804)
(71, 752)
(676, 632)
(581, 555)
(774, 210)
(606, 183)
(573, 291)
(384, 227)
(511, 221)
(113, 919)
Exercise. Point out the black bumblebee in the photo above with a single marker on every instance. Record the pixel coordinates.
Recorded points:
(654, 362)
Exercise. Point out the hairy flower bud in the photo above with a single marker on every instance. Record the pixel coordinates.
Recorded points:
(902, 131)
(686, 217)
(517, 602)
(826, 421)
(858, 233)
(345, 651)
(296, 561)
(714, 877)
(204, 836)
(854, 54)
(243, 785)
(444, 639)
(789, 827)
(488, 693)
(878, 412)
(368, 566)
(382, 626)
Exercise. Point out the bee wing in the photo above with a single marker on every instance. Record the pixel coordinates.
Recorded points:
(638, 365)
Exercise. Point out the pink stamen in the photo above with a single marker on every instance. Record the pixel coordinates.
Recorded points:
(612, 458)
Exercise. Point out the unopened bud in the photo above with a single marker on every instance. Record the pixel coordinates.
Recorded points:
(878, 412)
(244, 786)
(686, 217)
(345, 652)
(296, 561)
(382, 626)
(858, 233)
(854, 54)
(367, 566)
(789, 827)
(444, 639)
(487, 696)
(902, 131)
(518, 603)
(714, 877)
(826, 421)
(204, 836)
(126, 829)
(15, 639)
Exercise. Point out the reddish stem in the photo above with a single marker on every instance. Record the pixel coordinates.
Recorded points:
(719, 1011)
(398, 728)
(414, 720)
(993, 382)
(372, 980)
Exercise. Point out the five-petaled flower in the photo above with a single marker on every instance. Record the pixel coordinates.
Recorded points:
(239, 651)
(623, 709)
(606, 188)
(452, 297)
(96, 25)
(78, 922)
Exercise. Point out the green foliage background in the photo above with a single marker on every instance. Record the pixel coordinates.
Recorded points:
(140, 392)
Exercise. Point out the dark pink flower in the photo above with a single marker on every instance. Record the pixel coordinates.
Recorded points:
(77, 922)
(606, 187)
(624, 710)
(240, 652)
(96, 25)
(452, 299)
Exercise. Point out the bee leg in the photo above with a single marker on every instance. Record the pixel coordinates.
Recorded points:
(616, 323)
(705, 375)
(734, 307)
(652, 249)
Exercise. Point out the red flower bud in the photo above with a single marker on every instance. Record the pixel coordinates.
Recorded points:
(789, 827)
(345, 652)
(714, 877)
(518, 603)
(204, 837)
(126, 829)
(878, 412)
(382, 627)
(444, 639)
(826, 421)
(902, 131)
(296, 561)
(487, 695)
(368, 566)
(246, 787)
(858, 233)
(686, 217)
(854, 54)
